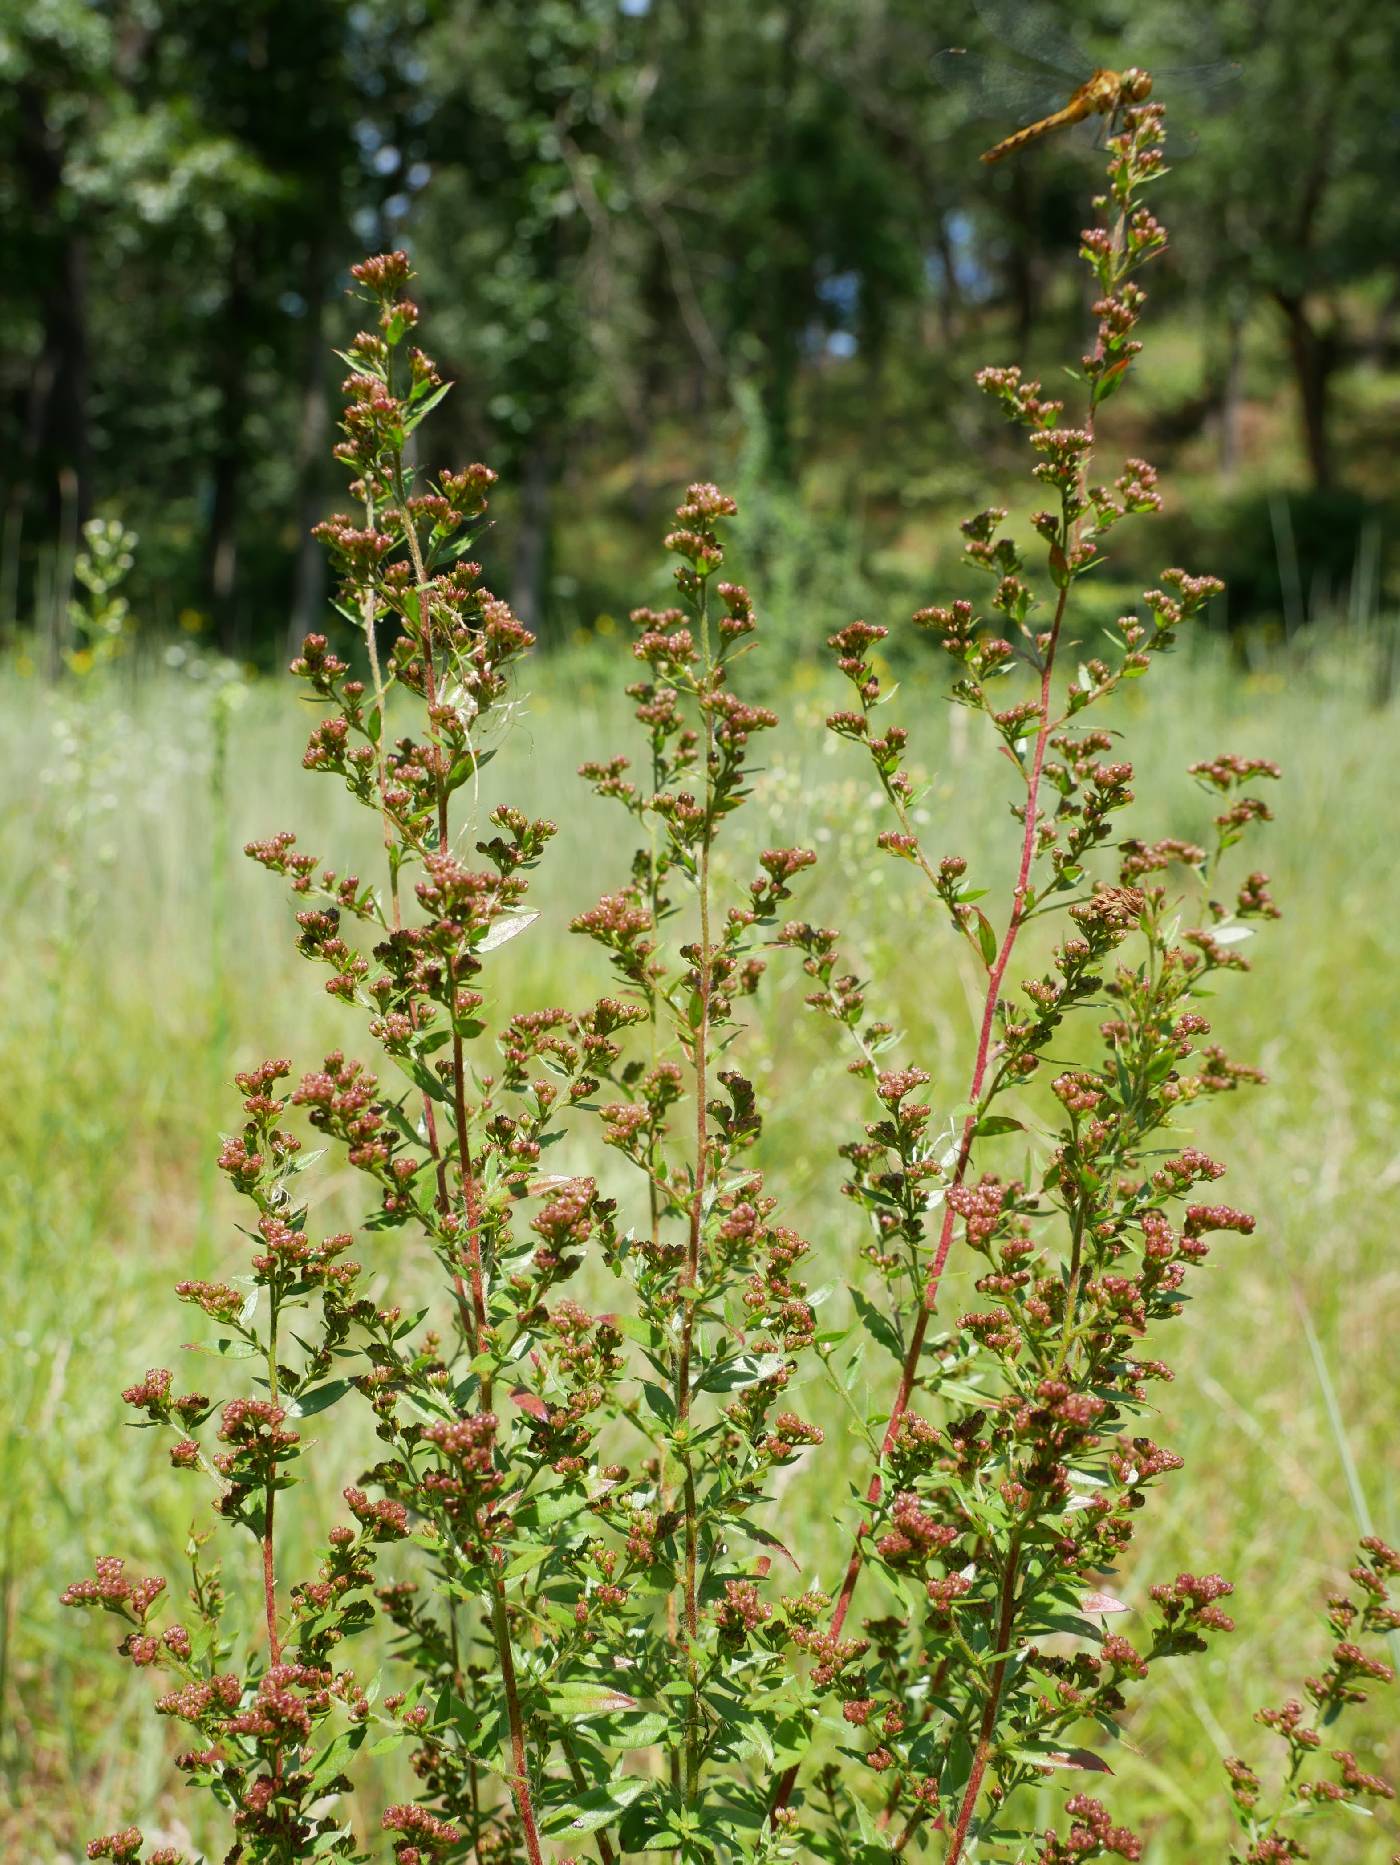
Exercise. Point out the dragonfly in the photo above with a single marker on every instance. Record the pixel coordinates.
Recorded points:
(997, 86)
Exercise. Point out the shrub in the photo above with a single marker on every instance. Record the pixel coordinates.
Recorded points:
(590, 1644)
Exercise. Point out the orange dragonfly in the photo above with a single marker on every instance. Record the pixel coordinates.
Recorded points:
(992, 87)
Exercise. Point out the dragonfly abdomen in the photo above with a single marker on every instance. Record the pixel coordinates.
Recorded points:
(1071, 113)
(1097, 97)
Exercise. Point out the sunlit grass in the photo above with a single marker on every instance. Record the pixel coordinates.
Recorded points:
(146, 961)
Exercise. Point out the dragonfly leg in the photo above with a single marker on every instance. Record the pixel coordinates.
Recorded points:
(1107, 126)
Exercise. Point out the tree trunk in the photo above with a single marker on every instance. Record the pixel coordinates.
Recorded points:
(23, 474)
(1232, 393)
(1381, 342)
(66, 344)
(779, 392)
(1314, 356)
(309, 577)
(950, 295)
(56, 451)
(787, 285)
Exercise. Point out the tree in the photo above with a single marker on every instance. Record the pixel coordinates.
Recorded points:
(1304, 199)
(55, 62)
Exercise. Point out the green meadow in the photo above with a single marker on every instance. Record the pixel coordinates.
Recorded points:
(146, 960)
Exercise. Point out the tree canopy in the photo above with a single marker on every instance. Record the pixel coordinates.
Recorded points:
(662, 232)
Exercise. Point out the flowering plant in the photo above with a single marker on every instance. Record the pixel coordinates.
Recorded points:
(592, 1647)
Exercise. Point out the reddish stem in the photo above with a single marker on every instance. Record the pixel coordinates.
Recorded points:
(919, 1817)
(471, 1197)
(269, 1552)
(908, 1373)
(692, 1276)
(470, 1194)
(520, 1775)
(989, 1709)
(695, 1237)
(395, 914)
(269, 1566)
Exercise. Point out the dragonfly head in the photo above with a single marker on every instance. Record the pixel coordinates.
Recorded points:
(1137, 85)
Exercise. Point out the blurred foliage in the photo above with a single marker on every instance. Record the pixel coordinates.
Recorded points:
(664, 237)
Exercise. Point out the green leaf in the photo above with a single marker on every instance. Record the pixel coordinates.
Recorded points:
(555, 1506)
(1070, 1623)
(1050, 1755)
(421, 1076)
(480, 1736)
(581, 1698)
(225, 1349)
(633, 1327)
(319, 1399)
(503, 930)
(600, 1806)
(327, 1842)
(424, 407)
(754, 1738)
(630, 1730)
(524, 1562)
(645, 1829)
(659, 1402)
(744, 1369)
(765, 1539)
(986, 938)
(877, 1325)
(865, 1822)
(991, 1124)
(388, 1743)
(335, 1754)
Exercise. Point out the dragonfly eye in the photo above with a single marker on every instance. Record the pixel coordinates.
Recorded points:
(1137, 84)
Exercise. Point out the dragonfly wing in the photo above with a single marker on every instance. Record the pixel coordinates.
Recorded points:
(1185, 81)
(989, 87)
(1033, 30)
(1193, 94)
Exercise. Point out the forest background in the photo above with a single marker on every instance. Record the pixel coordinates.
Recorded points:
(751, 235)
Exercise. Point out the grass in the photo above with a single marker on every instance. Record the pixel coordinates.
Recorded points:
(147, 960)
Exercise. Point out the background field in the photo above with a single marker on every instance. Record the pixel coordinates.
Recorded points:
(146, 960)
